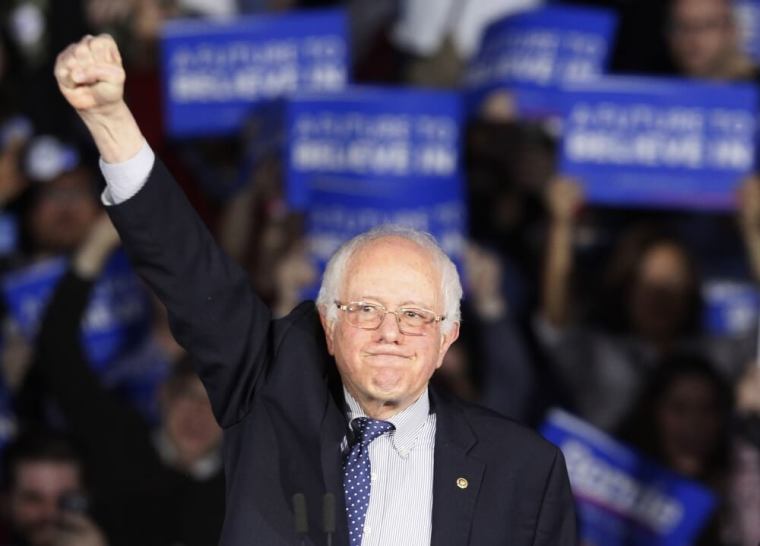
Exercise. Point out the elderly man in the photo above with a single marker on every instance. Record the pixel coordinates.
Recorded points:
(334, 397)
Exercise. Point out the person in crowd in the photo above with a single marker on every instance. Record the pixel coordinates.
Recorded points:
(649, 305)
(703, 41)
(44, 490)
(62, 201)
(55, 194)
(743, 497)
(302, 398)
(686, 420)
(153, 487)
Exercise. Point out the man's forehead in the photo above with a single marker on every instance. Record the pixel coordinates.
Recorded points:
(393, 245)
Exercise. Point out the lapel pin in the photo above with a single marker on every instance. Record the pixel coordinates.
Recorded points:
(462, 483)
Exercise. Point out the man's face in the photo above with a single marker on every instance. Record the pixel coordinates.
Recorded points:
(384, 369)
(702, 36)
(35, 497)
(64, 212)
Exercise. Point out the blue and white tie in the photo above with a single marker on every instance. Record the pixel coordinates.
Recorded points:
(357, 474)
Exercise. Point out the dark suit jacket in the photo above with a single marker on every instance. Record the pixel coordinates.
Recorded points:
(277, 394)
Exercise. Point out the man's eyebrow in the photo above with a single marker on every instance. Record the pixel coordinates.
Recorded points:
(407, 303)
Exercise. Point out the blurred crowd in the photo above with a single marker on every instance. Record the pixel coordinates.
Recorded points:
(596, 310)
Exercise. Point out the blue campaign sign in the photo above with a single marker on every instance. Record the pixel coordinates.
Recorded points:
(533, 52)
(730, 307)
(116, 319)
(622, 498)
(399, 142)
(367, 156)
(334, 217)
(650, 142)
(214, 71)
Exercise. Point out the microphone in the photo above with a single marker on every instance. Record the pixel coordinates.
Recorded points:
(328, 516)
(300, 518)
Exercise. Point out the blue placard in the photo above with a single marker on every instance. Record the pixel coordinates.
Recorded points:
(650, 142)
(533, 52)
(372, 141)
(730, 307)
(215, 70)
(117, 317)
(367, 156)
(622, 498)
(335, 217)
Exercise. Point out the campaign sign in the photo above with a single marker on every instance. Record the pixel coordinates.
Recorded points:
(730, 307)
(368, 141)
(533, 52)
(214, 70)
(334, 217)
(622, 498)
(663, 143)
(116, 319)
(368, 156)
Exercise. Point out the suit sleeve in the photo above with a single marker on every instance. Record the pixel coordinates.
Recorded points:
(556, 521)
(213, 311)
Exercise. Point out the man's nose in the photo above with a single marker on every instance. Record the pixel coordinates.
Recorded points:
(389, 328)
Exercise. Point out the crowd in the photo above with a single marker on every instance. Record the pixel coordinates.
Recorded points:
(597, 310)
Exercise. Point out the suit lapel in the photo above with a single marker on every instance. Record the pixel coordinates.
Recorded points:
(456, 476)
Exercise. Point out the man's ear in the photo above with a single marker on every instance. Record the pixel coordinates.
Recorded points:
(328, 326)
(446, 341)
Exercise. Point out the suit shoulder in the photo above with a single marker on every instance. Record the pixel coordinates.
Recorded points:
(305, 313)
(497, 431)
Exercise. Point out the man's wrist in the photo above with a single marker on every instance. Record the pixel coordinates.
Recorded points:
(115, 133)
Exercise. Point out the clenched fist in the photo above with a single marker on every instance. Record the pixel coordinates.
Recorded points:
(91, 77)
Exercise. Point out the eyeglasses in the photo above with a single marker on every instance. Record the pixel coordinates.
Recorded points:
(369, 316)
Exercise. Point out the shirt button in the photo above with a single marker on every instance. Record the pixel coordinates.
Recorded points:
(404, 453)
(367, 530)
(373, 477)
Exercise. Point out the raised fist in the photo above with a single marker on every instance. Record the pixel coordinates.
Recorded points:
(564, 197)
(90, 75)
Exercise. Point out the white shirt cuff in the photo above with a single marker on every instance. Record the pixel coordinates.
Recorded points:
(125, 179)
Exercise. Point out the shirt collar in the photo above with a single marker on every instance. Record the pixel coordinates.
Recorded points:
(408, 422)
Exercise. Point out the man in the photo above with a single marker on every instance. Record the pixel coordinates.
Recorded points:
(413, 467)
(704, 41)
(41, 471)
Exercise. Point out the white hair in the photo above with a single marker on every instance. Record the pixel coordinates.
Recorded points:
(332, 280)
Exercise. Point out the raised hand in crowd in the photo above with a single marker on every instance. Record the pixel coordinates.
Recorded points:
(564, 198)
(91, 256)
(12, 180)
(748, 201)
(483, 278)
(77, 529)
(748, 391)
